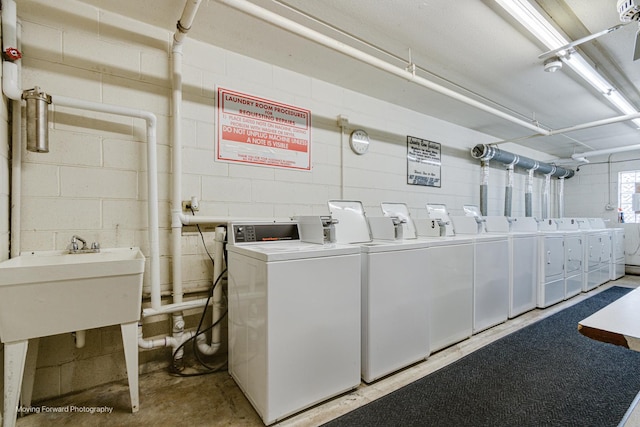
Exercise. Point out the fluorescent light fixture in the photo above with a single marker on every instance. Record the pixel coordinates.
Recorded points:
(586, 71)
(623, 105)
(542, 29)
(533, 21)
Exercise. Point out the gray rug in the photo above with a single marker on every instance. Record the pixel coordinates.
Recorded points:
(546, 374)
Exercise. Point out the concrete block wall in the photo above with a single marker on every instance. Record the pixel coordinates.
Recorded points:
(595, 185)
(93, 181)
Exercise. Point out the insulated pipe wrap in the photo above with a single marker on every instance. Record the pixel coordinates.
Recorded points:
(484, 186)
(528, 195)
(508, 192)
(487, 152)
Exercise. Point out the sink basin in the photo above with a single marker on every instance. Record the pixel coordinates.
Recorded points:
(52, 292)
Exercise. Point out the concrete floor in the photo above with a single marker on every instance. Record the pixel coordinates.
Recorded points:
(215, 400)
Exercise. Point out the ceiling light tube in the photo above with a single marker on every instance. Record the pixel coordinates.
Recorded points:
(584, 70)
(533, 21)
(542, 29)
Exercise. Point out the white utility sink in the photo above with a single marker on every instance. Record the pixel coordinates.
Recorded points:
(52, 292)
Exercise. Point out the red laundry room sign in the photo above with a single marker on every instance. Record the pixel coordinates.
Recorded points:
(262, 132)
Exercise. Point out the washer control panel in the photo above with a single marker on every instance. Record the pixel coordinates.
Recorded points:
(268, 232)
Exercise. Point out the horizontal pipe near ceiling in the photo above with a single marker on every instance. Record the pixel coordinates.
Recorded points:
(309, 34)
(486, 152)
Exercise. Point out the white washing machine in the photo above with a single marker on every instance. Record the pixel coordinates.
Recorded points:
(450, 278)
(490, 272)
(294, 318)
(573, 256)
(551, 285)
(523, 260)
(395, 295)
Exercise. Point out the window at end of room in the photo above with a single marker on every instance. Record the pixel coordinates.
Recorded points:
(628, 185)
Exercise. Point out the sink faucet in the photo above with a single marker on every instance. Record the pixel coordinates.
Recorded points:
(74, 249)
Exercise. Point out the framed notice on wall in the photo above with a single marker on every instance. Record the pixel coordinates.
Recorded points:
(423, 162)
(262, 132)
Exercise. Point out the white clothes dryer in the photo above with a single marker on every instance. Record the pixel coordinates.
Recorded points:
(617, 253)
(551, 285)
(597, 255)
(573, 256)
(294, 318)
(395, 296)
(608, 255)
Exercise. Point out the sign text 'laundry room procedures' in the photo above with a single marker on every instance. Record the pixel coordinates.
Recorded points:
(262, 132)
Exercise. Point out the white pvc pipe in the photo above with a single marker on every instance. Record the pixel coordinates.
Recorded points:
(173, 308)
(596, 123)
(80, 337)
(16, 179)
(183, 26)
(152, 178)
(217, 292)
(176, 200)
(186, 20)
(301, 30)
(10, 73)
(11, 89)
(580, 156)
(167, 341)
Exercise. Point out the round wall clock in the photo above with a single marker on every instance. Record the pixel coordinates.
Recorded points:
(359, 141)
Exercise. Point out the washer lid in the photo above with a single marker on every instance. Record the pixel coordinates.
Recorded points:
(285, 251)
(352, 226)
(597, 223)
(439, 211)
(378, 246)
(471, 210)
(497, 224)
(401, 211)
(524, 225)
(547, 225)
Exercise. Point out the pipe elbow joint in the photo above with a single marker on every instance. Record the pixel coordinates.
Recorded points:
(204, 348)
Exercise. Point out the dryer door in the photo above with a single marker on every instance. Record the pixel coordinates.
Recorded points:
(573, 253)
(552, 256)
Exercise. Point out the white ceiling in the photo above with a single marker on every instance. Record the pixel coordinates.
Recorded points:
(471, 46)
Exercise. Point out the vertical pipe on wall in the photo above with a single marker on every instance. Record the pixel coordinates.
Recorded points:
(484, 186)
(546, 208)
(508, 191)
(217, 291)
(561, 197)
(182, 28)
(176, 170)
(528, 194)
(16, 178)
(10, 70)
(12, 90)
